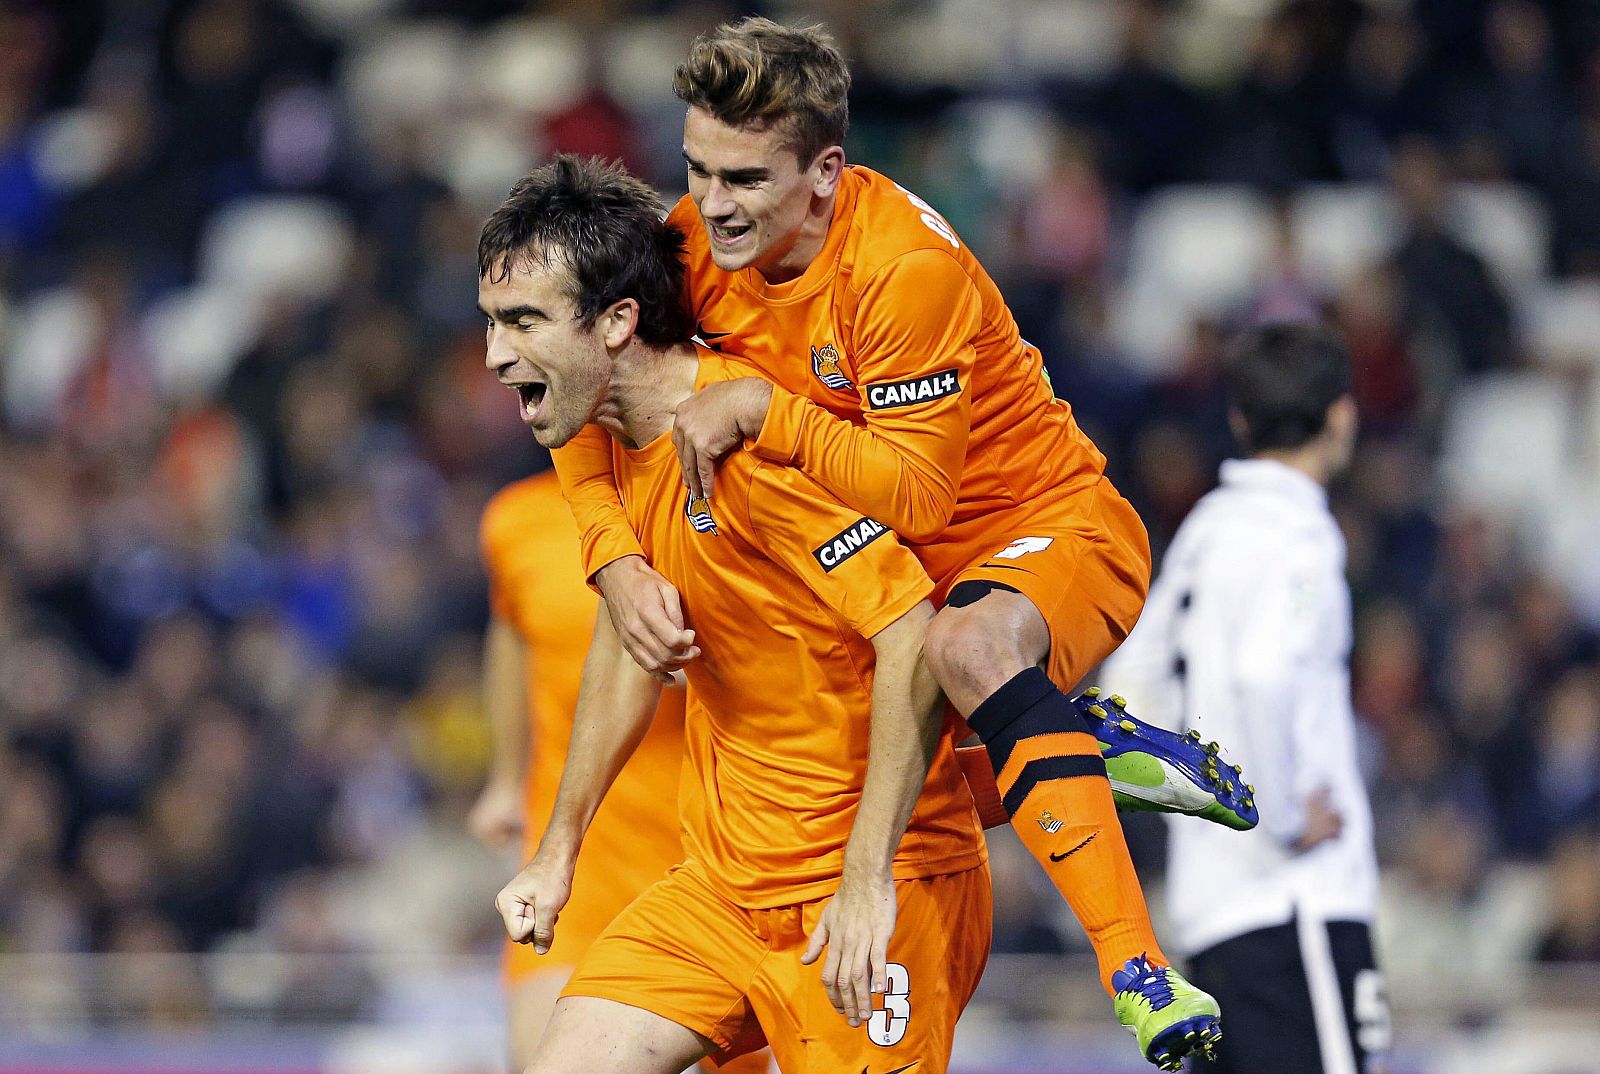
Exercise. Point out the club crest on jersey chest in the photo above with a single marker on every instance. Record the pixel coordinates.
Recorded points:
(825, 365)
(698, 510)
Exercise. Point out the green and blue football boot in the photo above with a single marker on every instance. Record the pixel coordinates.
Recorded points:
(1170, 1017)
(1154, 770)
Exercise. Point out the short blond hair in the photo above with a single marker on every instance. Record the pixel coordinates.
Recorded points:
(757, 72)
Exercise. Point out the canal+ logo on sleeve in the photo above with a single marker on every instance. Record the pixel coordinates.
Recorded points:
(848, 541)
(925, 389)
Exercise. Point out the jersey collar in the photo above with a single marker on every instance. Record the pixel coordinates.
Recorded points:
(1272, 476)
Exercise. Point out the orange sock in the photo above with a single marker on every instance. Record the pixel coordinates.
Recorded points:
(1053, 782)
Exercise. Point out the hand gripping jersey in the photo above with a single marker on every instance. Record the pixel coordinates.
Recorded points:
(896, 328)
(530, 552)
(783, 587)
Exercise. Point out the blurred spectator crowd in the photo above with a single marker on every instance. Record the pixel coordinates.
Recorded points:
(245, 433)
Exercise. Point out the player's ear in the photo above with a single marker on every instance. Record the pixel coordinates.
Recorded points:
(826, 170)
(619, 321)
(1240, 428)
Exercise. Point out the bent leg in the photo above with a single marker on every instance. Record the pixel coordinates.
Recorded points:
(987, 655)
(601, 1036)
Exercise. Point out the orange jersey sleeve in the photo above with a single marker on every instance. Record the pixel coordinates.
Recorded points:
(798, 525)
(914, 338)
(590, 486)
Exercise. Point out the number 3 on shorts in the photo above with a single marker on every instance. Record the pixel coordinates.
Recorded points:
(887, 1027)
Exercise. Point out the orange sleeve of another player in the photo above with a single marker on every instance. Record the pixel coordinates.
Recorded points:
(854, 564)
(913, 348)
(590, 486)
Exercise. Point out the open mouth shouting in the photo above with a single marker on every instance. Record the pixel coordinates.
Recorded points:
(532, 396)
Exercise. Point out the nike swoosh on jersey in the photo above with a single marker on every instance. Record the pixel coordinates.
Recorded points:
(1068, 854)
(896, 1070)
(710, 338)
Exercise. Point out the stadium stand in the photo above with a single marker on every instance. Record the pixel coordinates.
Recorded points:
(246, 437)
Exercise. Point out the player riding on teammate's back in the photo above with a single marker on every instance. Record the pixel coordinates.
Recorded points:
(893, 374)
(820, 801)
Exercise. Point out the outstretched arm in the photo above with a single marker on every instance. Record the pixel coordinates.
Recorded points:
(907, 714)
(616, 702)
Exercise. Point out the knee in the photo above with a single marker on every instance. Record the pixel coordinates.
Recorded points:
(971, 655)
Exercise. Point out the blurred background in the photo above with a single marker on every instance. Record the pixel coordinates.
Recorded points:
(245, 436)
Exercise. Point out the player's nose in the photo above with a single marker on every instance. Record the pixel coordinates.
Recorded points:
(717, 204)
(498, 354)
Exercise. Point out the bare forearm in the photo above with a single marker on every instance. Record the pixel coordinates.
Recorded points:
(505, 703)
(906, 713)
(616, 703)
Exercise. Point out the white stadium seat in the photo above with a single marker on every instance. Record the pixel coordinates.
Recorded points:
(1561, 323)
(296, 246)
(1342, 229)
(1507, 227)
(528, 66)
(406, 73)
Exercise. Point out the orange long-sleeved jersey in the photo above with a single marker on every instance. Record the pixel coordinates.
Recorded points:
(784, 586)
(903, 385)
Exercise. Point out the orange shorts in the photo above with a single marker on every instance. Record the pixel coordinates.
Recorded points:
(1083, 560)
(734, 976)
(617, 862)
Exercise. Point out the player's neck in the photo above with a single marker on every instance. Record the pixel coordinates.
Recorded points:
(646, 388)
(808, 243)
(1311, 460)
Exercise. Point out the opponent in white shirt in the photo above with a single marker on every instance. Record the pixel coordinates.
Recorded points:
(1246, 639)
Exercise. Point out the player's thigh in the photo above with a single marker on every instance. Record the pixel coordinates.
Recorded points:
(530, 999)
(684, 953)
(936, 958)
(601, 1036)
(1083, 563)
(974, 648)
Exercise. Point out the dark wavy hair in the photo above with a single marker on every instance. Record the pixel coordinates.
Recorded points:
(607, 228)
(1282, 378)
(755, 71)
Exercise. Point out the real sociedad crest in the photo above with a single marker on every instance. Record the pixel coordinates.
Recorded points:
(698, 510)
(825, 364)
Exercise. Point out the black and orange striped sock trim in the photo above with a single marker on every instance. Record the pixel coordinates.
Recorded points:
(1033, 735)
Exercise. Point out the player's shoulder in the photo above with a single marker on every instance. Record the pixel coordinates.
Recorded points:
(890, 224)
(1257, 534)
(716, 367)
(524, 502)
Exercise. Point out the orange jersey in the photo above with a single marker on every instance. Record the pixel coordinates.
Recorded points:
(906, 389)
(530, 551)
(783, 587)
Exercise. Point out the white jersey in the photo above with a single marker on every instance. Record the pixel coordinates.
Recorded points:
(1246, 639)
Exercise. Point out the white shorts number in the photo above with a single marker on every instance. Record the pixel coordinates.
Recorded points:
(1023, 545)
(1373, 1030)
(887, 1027)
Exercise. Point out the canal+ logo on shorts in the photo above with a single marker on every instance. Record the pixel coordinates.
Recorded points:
(916, 390)
(848, 541)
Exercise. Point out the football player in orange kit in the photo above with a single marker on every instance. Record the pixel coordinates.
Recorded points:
(893, 374)
(820, 801)
(542, 617)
